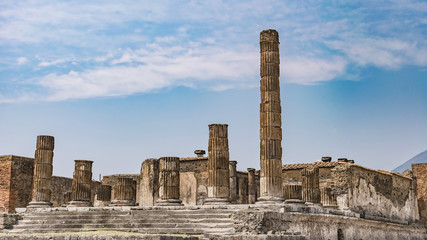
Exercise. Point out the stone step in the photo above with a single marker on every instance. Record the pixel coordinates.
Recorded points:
(123, 225)
(118, 220)
(186, 231)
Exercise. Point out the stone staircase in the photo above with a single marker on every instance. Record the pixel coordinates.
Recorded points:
(185, 221)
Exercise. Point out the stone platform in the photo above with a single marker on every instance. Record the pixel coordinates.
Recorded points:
(217, 222)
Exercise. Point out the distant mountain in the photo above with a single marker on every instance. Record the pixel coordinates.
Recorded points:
(420, 158)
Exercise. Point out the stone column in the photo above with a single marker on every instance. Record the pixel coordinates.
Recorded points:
(43, 167)
(310, 185)
(169, 182)
(103, 196)
(233, 181)
(327, 197)
(243, 190)
(149, 185)
(218, 165)
(124, 192)
(270, 120)
(251, 186)
(293, 193)
(82, 184)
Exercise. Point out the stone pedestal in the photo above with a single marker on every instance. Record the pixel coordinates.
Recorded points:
(233, 182)
(310, 185)
(43, 167)
(270, 120)
(124, 192)
(82, 184)
(218, 165)
(251, 186)
(169, 182)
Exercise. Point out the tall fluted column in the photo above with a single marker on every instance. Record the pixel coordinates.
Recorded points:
(251, 186)
(310, 185)
(218, 165)
(270, 120)
(43, 167)
(124, 192)
(169, 182)
(82, 184)
(233, 181)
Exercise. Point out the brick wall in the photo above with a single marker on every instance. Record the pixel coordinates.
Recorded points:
(5, 172)
(21, 181)
(420, 172)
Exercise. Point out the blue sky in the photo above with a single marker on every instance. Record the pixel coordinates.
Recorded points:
(119, 82)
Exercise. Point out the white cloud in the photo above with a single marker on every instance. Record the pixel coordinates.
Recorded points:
(21, 60)
(305, 70)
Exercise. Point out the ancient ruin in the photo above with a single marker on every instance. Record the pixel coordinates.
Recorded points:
(207, 197)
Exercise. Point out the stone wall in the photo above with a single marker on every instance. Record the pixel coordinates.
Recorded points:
(420, 172)
(375, 194)
(59, 187)
(193, 180)
(16, 179)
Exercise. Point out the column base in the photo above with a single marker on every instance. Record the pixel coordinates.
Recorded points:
(217, 201)
(122, 203)
(79, 204)
(331, 206)
(39, 204)
(270, 200)
(313, 204)
(294, 201)
(169, 202)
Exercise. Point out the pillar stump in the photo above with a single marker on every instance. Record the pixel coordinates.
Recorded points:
(270, 120)
(310, 185)
(233, 182)
(124, 192)
(251, 186)
(103, 196)
(169, 182)
(327, 198)
(81, 189)
(218, 165)
(43, 167)
(293, 193)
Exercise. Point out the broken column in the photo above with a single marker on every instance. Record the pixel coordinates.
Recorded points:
(43, 167)
(293, 193)
(82, 184)
(218, 165)
(169, 182)
(270, 120)
(233, 181)
(310, 185)
(327, 197)
(243, 190)
(251, 186)
(103, 196)
(124, 192)
(149, 186)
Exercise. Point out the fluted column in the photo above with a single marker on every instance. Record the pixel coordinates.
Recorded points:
(43, 167)
(124, 192)
(293, 193)
(103, 196)
(82, 184)
(243, 190)
(310, 185)
(218, 165)
(327, 198)
(251, 186)
(169, 182)
(270, 120)
(233, 181)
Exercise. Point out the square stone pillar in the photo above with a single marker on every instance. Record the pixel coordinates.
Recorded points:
(233, 181)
